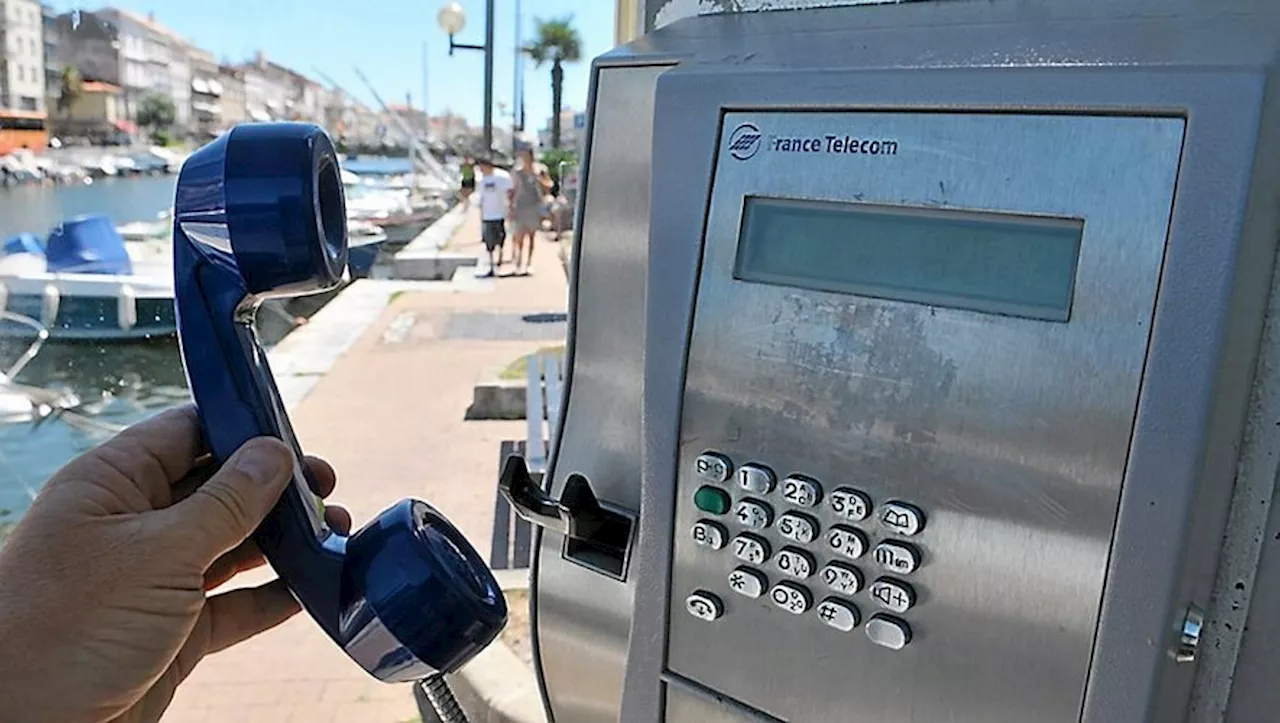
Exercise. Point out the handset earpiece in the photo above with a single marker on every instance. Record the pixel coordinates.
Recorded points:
(260, 213)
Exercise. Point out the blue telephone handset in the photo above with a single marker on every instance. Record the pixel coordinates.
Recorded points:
(259, 213)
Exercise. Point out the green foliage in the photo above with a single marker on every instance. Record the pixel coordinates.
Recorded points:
(558, 41)
(157, 112)
(552, 158)
(555, 40)
(69, 89)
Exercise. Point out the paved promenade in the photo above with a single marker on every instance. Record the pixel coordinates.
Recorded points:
(389, 415)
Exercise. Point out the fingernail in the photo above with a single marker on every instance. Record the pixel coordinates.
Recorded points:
(264, 462)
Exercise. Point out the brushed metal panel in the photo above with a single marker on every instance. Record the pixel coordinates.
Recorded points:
(683, 705)
(1011, 434)
(583, 617)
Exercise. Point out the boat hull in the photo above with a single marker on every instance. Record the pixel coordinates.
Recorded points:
(90, 318)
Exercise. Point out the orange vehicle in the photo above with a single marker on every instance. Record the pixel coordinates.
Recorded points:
(23, 129)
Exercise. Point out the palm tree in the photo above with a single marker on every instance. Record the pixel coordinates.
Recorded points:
(71, 86)
(559, 42)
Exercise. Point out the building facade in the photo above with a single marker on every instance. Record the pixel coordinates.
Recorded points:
(22, 78)
(206, 94)
(89, 43)
(231, 80)
(52, 68)
(152, 61)
(267, 91)
(95, 112)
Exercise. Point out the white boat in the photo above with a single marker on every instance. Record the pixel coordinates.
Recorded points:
(86, 283)
(158, 229)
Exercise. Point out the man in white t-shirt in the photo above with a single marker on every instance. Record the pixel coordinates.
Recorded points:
(496, 191)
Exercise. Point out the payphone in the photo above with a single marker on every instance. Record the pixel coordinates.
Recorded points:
(929, 348)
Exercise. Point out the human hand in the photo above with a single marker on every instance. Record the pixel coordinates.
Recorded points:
(103, 584)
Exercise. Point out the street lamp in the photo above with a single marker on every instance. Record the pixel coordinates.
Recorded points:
(452, 19)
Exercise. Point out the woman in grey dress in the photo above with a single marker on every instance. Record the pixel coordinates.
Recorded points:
(526, 208)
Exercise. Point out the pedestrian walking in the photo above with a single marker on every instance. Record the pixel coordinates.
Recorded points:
(526, 211)
(495, 200)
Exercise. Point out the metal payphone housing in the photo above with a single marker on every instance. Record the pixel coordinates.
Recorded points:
(1105, 471)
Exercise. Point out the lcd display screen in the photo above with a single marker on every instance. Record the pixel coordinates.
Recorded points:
(990, 262)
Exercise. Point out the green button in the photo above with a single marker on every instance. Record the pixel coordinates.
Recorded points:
(712, 500)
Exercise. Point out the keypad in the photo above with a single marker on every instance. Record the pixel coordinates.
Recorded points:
(839, 614)
(712, 500)
(806, 537)
(709, 534)
(704, 605)
(888, 631)
(901, 518)
(791, 597)
(841, 578)
(750, 548)
(794, 563)
(747, 582)
(801, 491)
(712, 467)
(798, 528)
(849, 504)
(893, 595)
(754, 514)
(897, 557)
(847, 542)
(756, 479)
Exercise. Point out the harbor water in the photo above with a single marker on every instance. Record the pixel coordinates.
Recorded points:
(118, 383)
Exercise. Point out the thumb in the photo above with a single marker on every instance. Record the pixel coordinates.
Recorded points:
(224, 511)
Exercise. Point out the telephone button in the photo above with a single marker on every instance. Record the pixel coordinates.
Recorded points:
(703, 605)
(712, 500)
(748, 582)
(754, 514)
(795, 563)
(897, 557)
(902, 518)
(801, 491)
(841, 578)
(847, 541)
(750, 548)
(839, 614)
(710, 534)
(797, 527)
(756, 479)
(893, 595)
(888, 631)
(850, 504)
(793, 598)
(713, 467)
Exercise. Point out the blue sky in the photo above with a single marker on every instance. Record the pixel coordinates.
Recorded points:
(385, 39)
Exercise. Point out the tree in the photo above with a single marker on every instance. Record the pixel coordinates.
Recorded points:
(552, 160)
(156, 112)
(69, 91)
(557, 41)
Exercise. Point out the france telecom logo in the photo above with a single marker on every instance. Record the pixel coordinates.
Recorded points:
(744, 141)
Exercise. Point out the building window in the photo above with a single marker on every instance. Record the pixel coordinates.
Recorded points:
(21, 73)
(28, 103)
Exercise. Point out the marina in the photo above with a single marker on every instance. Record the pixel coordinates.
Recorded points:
(88, 380)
